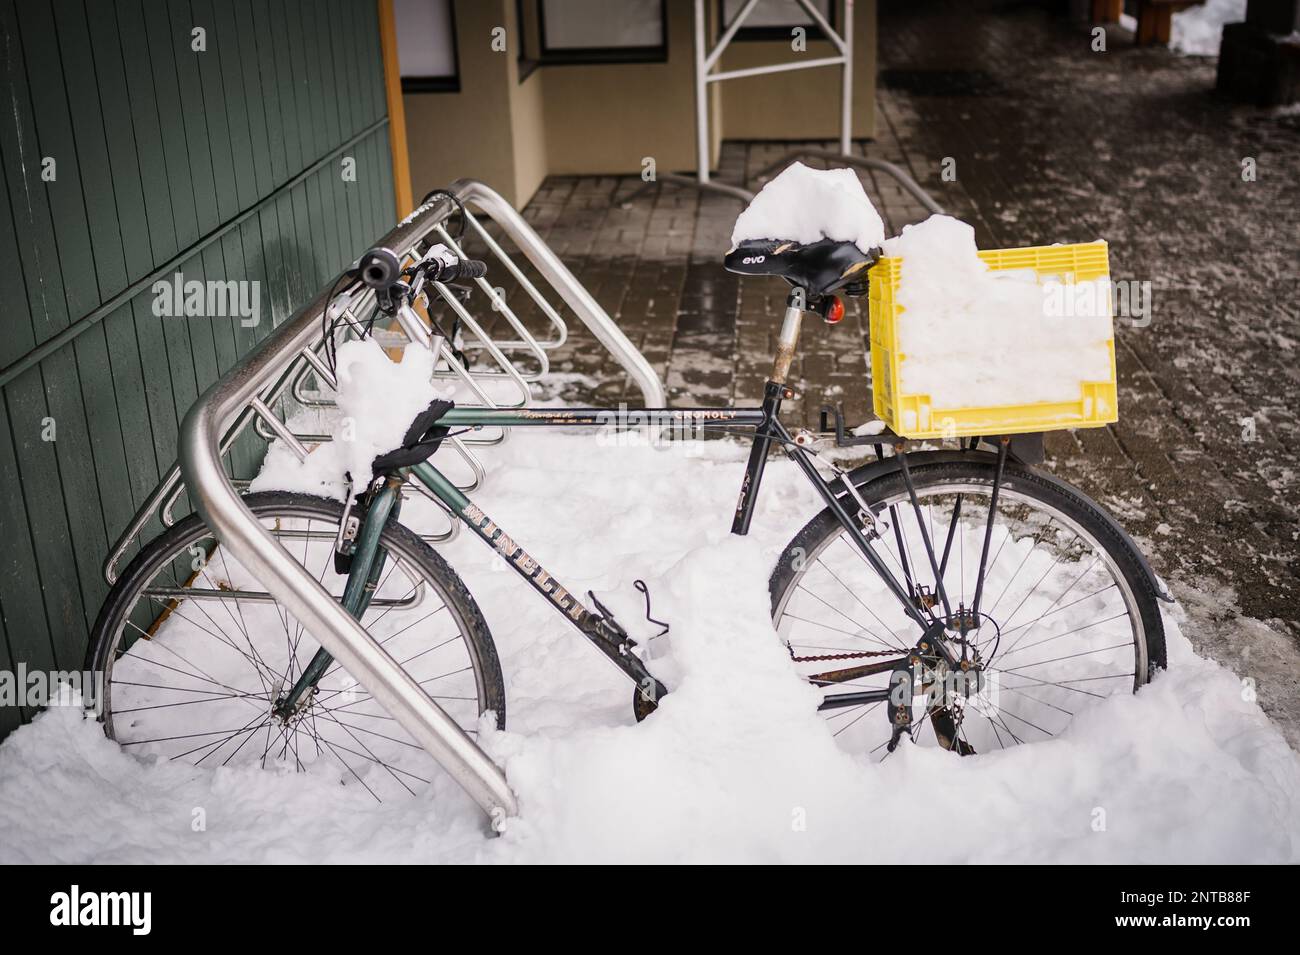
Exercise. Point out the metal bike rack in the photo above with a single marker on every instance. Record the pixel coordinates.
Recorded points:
(223, 410)
(287, 382)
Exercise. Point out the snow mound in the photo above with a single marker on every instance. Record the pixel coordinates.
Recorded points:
(735, 766)
(972, 337)
(1197, 30)
(378, 398)
(805, 205)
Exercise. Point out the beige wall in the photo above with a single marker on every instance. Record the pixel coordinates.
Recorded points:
(531, 132)
(469, 133)
(605, 118)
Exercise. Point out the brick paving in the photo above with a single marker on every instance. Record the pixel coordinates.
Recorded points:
(651, 255)
(1051, 142)
(1054, 142)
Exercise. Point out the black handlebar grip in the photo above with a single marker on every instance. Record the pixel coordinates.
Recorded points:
(379, 268)
(471, 269)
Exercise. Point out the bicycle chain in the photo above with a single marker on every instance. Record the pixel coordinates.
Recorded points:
(858, 655)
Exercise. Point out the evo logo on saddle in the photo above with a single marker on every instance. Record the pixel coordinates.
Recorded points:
(533, 571)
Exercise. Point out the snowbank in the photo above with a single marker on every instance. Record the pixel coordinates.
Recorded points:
(805, 205)
(971, 337)
(378, 399)
(1198, 30)
(735, 766)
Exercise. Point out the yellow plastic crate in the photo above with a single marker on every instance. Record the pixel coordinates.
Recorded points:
(914, 416)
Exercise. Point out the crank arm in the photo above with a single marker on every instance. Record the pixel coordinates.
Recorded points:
(618, 648)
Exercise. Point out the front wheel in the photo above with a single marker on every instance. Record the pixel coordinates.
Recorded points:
(1066, 615)
(194, 654)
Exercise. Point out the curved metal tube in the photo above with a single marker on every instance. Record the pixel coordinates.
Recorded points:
(561, 279)
(862, 162)
(561, 329)
(252, 544)
(526, 339)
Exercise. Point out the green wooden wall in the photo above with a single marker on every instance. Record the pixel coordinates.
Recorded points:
(226, 163)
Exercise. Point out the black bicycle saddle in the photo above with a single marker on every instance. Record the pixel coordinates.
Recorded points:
(818, 267)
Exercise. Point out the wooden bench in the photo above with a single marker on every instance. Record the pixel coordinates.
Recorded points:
(1156, 17)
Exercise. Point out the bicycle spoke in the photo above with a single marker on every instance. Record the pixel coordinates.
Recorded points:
(197, 654)
(1062, 654)
(865, 712)
(1069, 656)
(1050, 613)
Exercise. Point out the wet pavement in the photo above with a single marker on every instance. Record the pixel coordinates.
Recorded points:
(1050, 142)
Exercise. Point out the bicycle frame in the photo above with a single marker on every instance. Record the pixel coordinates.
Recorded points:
(598, 626)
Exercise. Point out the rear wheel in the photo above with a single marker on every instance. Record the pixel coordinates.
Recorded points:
(194, 653)
(1066, 618)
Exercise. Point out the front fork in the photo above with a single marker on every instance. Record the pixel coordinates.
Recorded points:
(367, 564)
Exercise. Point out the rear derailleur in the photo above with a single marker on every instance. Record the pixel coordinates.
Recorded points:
(944, 679)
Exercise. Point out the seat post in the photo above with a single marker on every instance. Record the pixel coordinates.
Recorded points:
(789, 338)
(774, 392)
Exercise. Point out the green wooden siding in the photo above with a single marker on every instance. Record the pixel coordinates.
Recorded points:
(225, 164)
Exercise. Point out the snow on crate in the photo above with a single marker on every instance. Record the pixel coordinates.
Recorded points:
(971, 336)
(805, 205)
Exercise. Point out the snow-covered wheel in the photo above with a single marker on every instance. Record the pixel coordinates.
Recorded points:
(194, 654)
(1067, 615)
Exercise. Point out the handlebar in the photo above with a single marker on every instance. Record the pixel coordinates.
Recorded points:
(381, 269)
(465, 269)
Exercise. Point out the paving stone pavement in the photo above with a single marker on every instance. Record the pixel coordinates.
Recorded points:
(1050, 142)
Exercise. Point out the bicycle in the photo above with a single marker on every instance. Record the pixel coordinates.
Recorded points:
(891, 596)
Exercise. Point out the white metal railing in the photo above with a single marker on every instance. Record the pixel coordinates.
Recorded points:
(706, 60)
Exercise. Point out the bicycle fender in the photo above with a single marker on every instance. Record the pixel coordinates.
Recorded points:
(875, 470)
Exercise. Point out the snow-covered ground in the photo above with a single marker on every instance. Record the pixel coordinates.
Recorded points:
(735, 765)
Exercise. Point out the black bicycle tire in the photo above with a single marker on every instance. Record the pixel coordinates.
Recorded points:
(824, 525)
(167, 546)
